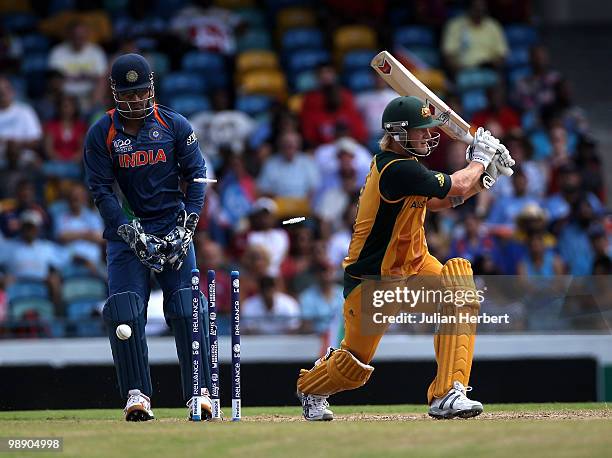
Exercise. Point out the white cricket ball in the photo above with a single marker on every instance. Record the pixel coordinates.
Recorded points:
(123, 331)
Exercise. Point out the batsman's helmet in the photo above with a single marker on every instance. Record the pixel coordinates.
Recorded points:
(132, 72)
(408, 112)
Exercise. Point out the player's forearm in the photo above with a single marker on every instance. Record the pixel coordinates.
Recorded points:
(465, 182)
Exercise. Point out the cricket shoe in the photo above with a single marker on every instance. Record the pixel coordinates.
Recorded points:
(138, 407)
(455, 404)
(315, 407)
(205, 405)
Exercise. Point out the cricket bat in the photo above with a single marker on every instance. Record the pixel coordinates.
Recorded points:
(405, 83)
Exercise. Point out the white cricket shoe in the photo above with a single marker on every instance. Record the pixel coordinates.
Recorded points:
(138, 407)
(455, 404)
(316, 407)
(205, 405)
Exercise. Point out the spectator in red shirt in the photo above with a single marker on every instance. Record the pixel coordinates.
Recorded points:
(64, 134)
(330, 106)
(498, 112)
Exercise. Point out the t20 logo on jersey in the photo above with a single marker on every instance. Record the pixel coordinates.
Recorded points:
(122, 145)
(140, 158)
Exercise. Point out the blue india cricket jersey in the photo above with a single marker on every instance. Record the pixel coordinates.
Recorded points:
(147, 167)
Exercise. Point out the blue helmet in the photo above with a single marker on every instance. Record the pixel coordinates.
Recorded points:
(132, 72)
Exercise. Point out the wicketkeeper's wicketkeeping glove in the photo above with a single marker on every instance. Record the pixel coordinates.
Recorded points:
(179, 239)
(148, 248)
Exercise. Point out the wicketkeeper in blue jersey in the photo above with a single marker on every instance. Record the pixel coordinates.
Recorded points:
(147, 150)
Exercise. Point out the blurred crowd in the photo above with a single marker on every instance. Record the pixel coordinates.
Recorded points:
(287, 112)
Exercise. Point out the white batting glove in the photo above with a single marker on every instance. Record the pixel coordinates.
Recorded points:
(503, 159)
(480, 152)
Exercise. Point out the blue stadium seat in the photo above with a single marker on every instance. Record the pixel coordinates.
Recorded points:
(357, 60)
(24, 288)
(19, 22)
(360, 81)
(302, 37)
(35, 43)
(34, 63)
(81, 309)
(73, 270)
(252, 17)
(188, 104)
(254, 39)
(305, 81)
(178, 83)
(414, 35)
(473, 100)
(477, 78)
(202, 60)
(517, 57)
(253, 104)
(429, 55)
(43, 307)
(160, 64)
(306, 59)
(83, 289)
(20, 86)
(517, 74)
(520, 35)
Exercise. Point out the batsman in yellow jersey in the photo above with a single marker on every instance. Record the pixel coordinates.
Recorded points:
(389, 241)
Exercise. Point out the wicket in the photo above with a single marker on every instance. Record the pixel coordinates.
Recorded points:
(196, 413)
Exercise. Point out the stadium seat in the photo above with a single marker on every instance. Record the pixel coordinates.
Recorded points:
(24, 288)
(414, 35)
(83, 288)
(43, 307)
(74, 270)
(252, 17)
(189, 104)
(359, 81)
(203, 61)
(472, 101)
(34, 63)
(160, 64)
(253, 104)
(302, 37)
(81, 309)
(357, 60)
(295, 103)
(265, 82)
(35, 43)
(517, 74)
(256, 60)
(429, 55)
(433, 79)
(521, 35)
(477, 78)
(292, 17)
(178, 83)
(19, 22)
(306, 59)
(254, 39)
(305, 81)
(517, 57)
(351, 37)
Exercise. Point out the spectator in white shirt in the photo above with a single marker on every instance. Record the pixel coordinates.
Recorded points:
(270, 311)
(290, 173)
(264, 233)
(20, 130)
(82, 62)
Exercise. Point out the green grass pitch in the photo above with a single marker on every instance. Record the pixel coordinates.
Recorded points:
(516, 430)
